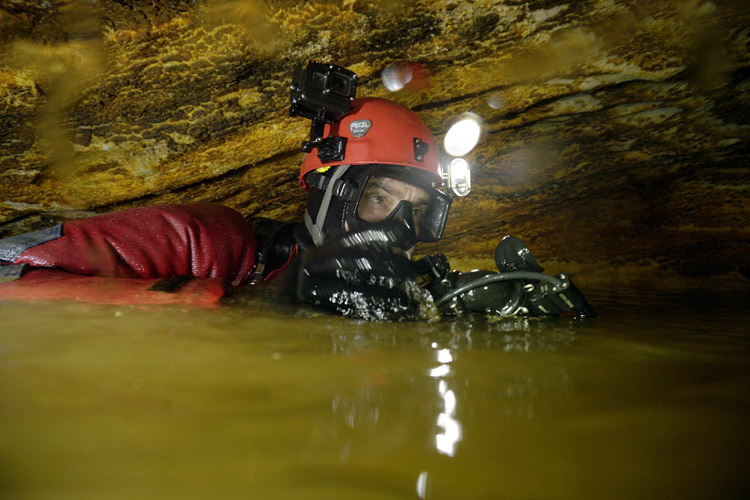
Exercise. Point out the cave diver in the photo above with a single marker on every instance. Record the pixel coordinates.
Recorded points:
(373, 175)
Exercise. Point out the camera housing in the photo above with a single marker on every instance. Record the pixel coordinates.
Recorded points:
(322, 88)
(323, 93)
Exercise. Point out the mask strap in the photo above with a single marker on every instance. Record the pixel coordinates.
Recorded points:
(316, 228)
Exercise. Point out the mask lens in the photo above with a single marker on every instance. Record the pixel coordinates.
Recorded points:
(378, 200)
(382, 195)
(432, 221)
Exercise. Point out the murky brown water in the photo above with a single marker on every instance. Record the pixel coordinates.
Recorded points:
(649, 401)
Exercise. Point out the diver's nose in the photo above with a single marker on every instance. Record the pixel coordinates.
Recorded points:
(403, 215)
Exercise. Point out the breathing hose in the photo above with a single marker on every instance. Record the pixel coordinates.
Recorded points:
(486, 280)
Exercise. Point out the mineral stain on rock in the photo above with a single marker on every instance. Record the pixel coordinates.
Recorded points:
(614, 141)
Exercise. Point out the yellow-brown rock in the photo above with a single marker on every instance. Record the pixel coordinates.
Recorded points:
(615, 139)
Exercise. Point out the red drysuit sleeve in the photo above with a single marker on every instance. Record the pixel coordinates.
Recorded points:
(46, 284)
(199, 240)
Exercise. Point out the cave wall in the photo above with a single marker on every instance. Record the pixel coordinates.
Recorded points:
(614, 142)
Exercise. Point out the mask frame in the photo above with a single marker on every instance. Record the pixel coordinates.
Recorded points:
(431, 224)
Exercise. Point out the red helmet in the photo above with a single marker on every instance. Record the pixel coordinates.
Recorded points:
(382, 132)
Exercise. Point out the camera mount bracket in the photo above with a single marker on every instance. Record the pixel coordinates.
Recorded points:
(329, 148)
(323, 93)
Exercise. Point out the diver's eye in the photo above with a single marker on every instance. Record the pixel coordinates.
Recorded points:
(375, 198)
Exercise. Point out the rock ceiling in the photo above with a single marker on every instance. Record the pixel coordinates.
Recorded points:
(614, 141)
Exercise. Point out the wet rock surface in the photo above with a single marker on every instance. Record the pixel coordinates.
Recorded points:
(615, 137)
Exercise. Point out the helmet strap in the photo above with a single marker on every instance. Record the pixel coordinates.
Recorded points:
(316, 228)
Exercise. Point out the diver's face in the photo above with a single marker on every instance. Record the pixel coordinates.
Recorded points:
(381, 196)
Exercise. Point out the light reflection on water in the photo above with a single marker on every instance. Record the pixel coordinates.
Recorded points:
(240, 402)
(445, 442)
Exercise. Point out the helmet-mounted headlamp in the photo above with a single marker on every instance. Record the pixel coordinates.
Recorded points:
(457, 177)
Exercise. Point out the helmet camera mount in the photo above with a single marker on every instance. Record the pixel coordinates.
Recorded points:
(323, 93)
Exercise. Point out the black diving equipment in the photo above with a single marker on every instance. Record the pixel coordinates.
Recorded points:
(519, 289)
(351, 190)
(323, 93)
(512, 255)
(359, 276)
(428, 217)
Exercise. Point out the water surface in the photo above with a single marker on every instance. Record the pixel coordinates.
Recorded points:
(648, 401)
